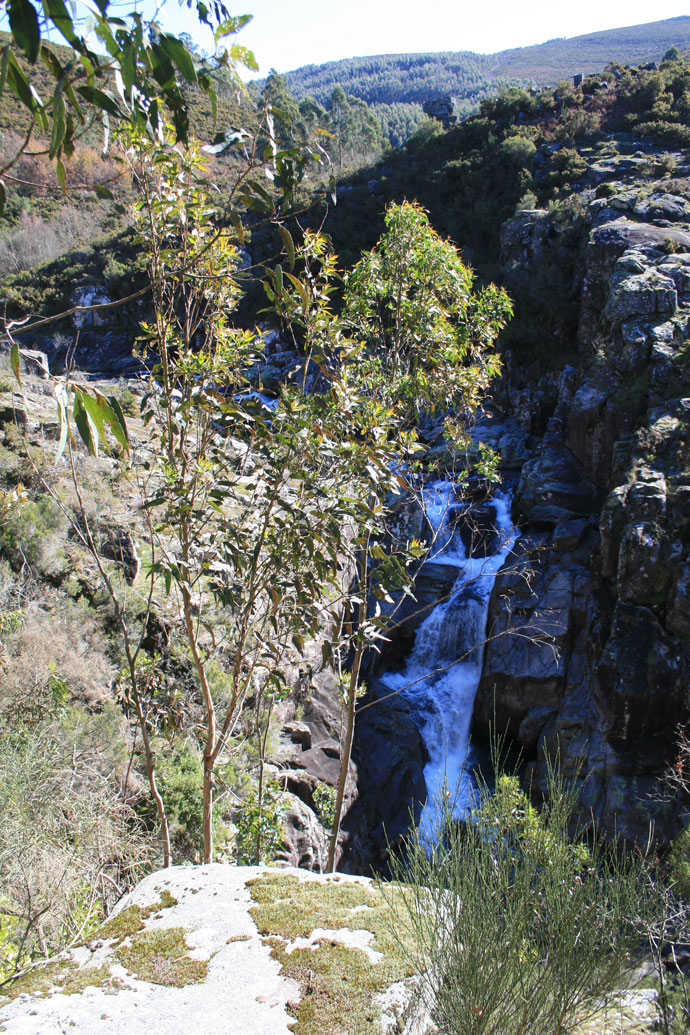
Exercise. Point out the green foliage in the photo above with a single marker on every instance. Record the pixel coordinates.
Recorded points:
(259, 823)
(324, 800)
(179, 781)
(519, 926)
(355, 133)
(679, 863)
(29, 534)
(411, 299)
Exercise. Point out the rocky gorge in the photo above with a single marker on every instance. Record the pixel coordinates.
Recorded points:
(588, 644)
(588, 631)
(587, 651)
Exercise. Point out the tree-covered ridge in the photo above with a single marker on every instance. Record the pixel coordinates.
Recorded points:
(395, 78)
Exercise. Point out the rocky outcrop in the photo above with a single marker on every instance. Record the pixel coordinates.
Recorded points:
(187, 951)
(601, 574)
(389, 758)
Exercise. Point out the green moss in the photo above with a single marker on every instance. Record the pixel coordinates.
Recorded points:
(339, 984)
(131, 919)
(66, 976)
(161, 957)
(85, 977)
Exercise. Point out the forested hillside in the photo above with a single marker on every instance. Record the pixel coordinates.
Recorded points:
(405, 78)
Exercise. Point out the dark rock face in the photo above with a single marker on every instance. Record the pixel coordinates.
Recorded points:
(604, 508)
(389, 757)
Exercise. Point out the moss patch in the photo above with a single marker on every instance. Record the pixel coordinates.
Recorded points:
(65, 976)
(161, 957)
(339, 984)
(131, 920)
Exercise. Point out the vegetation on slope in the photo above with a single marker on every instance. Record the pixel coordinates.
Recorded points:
(390, 80)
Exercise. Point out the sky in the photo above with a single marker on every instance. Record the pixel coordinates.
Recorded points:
(285, 34)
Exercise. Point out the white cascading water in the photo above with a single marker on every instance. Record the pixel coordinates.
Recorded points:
(442, 672)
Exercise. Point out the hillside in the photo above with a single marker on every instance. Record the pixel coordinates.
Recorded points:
(405, 78)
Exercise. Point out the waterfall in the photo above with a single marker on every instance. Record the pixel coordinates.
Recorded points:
(442, 672)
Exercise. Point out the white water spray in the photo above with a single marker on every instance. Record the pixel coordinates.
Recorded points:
(442, 672)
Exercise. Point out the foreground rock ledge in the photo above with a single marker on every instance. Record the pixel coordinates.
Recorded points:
(243, 992)
(235, 987)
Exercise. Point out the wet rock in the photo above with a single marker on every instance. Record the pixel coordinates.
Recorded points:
(678, 617)
(552, 490)
(529, 634)
(532, 725)
(390, 759)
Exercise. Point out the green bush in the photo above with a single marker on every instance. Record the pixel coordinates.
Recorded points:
(33, 534)
(260, 826)
(520, 929)
(679, 863)
(179, 781)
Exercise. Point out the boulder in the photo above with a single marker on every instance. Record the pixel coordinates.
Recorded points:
(605, 246)
(82, 299)
(658, 205)
(118, 545)
(35, 362)
(640, 294)
(305, 841)
(14, 415)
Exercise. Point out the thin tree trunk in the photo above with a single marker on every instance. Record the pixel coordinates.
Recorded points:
(345, 755)
(346, 749)
(210, 744)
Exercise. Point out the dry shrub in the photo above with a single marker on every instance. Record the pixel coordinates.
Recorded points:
(65, 645)
(69, 844)
(35, 173)
(34, 240)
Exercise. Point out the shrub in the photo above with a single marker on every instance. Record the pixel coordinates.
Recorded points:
(519, 928)
(179, 781)
(32, 535)
(69, 846)
(260, 826)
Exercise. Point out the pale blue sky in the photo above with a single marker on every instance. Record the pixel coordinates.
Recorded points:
(285, 34)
